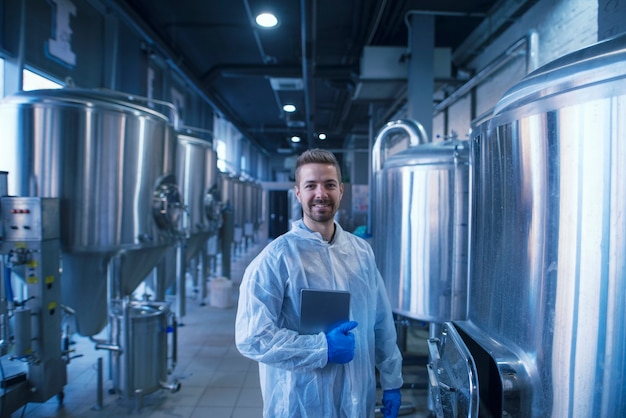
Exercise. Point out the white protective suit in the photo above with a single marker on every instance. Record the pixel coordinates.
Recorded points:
(296, 378)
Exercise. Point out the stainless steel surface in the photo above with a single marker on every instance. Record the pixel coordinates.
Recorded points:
(239, 204)
(29, 218)
(141, 366)
(548, 249)
(452, 375)
(31, 300)
(111, 161)
(4, 184)
(197, 179)
(420, 217)
(227, 189)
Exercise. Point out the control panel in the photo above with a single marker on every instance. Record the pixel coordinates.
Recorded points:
(29, 218)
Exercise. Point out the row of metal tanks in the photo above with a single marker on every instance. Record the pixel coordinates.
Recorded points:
(512, 244)
(108, 193)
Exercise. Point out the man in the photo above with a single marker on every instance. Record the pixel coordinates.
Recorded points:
(323, 375)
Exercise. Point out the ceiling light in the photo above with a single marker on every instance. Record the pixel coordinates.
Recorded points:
(295, 138)
(322, 136)
(289, 108)
(266, 20)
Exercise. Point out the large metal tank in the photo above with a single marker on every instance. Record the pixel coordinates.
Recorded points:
(227, 194)
(547, 312)
(420, 217)
(239, 203)
(111, 161)
(197, 178)
(141, 366)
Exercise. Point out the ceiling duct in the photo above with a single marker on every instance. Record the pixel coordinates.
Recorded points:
(286, 84)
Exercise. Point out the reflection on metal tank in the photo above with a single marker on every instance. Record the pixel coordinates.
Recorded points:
(239, 200)
(197, 179)
(227, 189)
(111, 161)
(547, 309)
(143, 367)
(420, 218)
(252, 208)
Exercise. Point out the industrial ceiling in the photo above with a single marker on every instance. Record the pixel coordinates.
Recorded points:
(312, 59)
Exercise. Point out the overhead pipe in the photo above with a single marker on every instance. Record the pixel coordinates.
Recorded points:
(308, 10)
(530, 41)
(135, 22)
(498, 18)
(266, 58)
(21, 48)
(524, 46)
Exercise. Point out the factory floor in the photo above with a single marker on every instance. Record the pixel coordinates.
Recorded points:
(216, 381)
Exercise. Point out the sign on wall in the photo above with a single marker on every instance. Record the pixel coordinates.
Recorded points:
(59, 46)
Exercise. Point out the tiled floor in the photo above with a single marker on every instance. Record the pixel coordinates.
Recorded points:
(216, 381)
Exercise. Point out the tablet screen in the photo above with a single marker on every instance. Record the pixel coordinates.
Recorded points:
(323, 310)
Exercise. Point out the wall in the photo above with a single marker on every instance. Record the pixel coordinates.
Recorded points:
(563, 26)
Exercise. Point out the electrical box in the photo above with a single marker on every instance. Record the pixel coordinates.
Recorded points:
(30, 218)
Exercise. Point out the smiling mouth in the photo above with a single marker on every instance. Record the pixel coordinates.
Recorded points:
(321, 204)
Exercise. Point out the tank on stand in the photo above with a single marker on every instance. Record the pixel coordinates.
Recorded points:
(197, 176)
(110, 160)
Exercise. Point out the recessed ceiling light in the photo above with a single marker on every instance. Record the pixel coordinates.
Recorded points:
(322, 136)
(266, 20)
(289, 108)
(295, 138)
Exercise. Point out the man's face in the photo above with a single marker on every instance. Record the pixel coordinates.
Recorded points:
(319, 192)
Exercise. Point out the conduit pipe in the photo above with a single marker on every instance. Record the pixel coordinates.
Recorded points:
(524, 46)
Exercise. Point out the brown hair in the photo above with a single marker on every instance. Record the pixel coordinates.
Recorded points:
(317, 156)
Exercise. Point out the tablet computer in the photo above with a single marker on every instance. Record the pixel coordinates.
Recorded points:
(323, 310)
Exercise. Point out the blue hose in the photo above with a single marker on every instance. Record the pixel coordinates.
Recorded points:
(7, 283)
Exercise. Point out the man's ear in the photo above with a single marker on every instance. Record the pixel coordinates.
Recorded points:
(296, 189)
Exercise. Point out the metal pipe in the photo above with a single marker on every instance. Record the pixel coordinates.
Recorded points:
(180, 280)
(173, 386)
(308, 24)
(415, 131)
(106, 345)
(135, 22)
(99, 386)
(174, 341)
(21, 49)
(266, 58)
(520, 47)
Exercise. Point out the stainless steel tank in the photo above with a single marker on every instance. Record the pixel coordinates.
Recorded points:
(239, 204)
(420, 216)
(141, 366)
(547, 312)
(227, 189)
(111, 161)
(197, 179)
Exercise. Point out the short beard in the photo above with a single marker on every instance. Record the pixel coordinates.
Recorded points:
(321, 217)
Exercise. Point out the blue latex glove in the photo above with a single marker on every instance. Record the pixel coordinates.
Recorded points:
(341, 343)
(391, 403)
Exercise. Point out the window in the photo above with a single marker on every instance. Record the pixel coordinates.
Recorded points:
(1, 78)
(34, 81)
(221, 155)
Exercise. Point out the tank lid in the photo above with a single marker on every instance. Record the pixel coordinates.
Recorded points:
(600, 62)
(77, 96)
(445, 152)
(191, 140)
